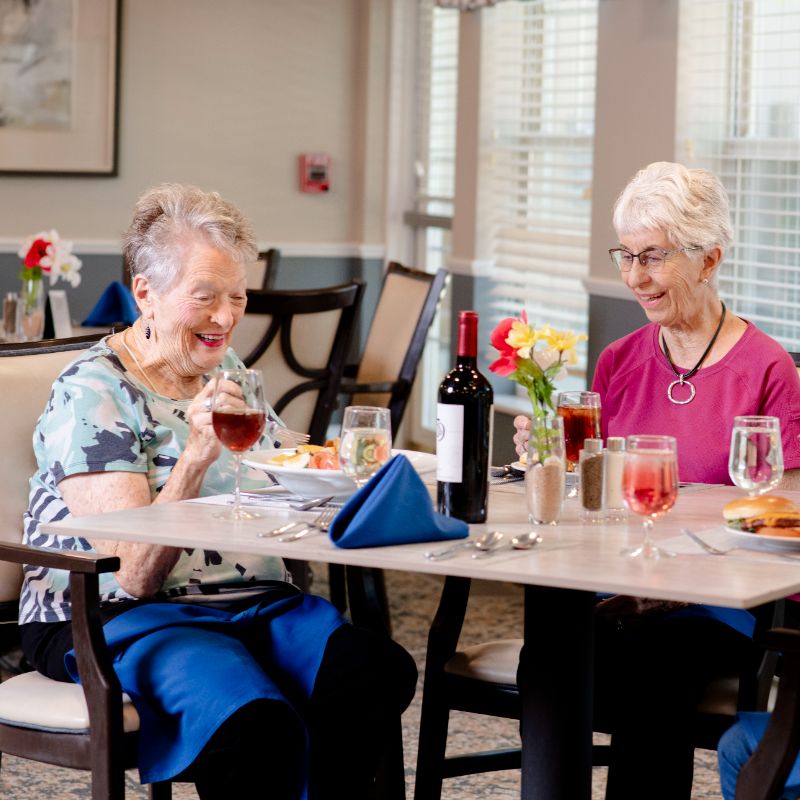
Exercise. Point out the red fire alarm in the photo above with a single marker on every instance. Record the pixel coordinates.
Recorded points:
(315, 172)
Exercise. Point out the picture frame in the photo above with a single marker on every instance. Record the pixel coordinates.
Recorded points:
(59, 87)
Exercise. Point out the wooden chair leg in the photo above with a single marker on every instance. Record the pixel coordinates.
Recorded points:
(432, 746)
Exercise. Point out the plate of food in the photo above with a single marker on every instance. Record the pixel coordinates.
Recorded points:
(313, 470)
(768, 518)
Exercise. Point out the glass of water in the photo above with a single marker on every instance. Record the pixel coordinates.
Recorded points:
(756, 457)
(366, 443)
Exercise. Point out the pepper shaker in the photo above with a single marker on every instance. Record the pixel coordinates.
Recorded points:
(591, 481)
(613, 503)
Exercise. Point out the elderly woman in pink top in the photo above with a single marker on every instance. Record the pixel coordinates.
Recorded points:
(687, 373)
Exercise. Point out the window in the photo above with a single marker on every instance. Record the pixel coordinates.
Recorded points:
(739, 116)
(538, 66)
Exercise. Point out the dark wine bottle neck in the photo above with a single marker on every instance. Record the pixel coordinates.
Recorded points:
(466, 361)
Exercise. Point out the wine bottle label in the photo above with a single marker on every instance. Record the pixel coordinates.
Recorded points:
(449, 442)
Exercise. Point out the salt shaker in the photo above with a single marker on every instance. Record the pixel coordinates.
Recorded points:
(613, 503)
(591, 481)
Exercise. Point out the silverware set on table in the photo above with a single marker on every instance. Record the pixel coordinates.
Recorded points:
(723, 551)
(303, 528)
(505, 474)
(486, 544)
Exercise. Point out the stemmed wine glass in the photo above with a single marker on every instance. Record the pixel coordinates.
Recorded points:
(366, 442)
(238, 415)
(650, 486)
(756, 458)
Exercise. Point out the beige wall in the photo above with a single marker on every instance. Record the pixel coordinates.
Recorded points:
(226, 95)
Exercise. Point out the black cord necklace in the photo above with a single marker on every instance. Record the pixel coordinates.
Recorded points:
(684, 379)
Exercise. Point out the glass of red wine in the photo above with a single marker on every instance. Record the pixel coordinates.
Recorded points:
(650, 486)
(238, 414)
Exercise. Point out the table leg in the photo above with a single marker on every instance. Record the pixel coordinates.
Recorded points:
(555, 681)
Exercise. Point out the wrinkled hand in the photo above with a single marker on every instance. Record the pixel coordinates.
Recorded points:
(522, 434)
(202, 444)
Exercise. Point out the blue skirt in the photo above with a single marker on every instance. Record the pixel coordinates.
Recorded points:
(188, 668)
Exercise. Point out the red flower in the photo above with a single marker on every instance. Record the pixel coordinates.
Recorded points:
(507, 363)
(37, 251)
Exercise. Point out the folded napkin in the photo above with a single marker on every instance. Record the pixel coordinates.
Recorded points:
(116, 304)
(393, 508)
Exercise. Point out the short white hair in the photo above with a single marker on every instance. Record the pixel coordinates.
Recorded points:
(168, 219)
(690, 206)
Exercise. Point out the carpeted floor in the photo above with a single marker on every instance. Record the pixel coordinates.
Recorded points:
(493, 607)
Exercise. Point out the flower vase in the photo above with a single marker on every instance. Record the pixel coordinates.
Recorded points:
(544, 478)
(30, 310)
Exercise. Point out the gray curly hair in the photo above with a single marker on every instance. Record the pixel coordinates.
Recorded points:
(689, 205)
(168, 218)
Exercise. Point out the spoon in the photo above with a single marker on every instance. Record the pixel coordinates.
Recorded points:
(487, 544)
(526, 540)
(482, 542)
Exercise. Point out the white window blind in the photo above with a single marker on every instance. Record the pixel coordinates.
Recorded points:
(538, 90)
(437, 77)
(739, 116)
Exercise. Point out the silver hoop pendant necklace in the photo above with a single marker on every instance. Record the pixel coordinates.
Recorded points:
(683, 378)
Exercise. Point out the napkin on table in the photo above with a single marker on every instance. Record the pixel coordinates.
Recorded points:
(393, 508)
(116, 304)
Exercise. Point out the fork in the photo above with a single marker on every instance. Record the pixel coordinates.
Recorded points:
(320, 523)
(720, 551)
(286, 436)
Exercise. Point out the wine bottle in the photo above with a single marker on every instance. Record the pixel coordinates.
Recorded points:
(464, 430)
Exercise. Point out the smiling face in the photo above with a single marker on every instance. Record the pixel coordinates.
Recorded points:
(193, 319)
(675, 296)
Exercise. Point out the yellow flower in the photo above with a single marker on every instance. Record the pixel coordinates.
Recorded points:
(521, 335)
(564, 341)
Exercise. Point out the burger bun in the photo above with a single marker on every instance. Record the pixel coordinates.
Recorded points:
(747, 507)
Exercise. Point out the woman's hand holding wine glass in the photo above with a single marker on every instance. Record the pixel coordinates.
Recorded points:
(650, 486)
(238, 416)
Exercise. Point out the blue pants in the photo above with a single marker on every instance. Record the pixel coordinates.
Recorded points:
(735, 748)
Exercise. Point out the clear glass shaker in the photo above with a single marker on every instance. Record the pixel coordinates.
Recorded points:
(615, 510)
(591, 481)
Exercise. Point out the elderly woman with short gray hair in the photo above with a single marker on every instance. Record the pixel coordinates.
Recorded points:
(687, 373)
(240, 680)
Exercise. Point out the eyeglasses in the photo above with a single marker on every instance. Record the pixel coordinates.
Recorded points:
(652, 259)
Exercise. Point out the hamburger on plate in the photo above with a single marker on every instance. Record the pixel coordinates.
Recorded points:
(767, 515)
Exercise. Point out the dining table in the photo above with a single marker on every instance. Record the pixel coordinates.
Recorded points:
(561, 578)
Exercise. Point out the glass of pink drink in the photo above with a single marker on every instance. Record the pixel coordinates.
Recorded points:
(650, 486)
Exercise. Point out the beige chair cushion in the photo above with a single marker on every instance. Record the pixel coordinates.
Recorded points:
(491, 662)
(496, 662)
(32, 701)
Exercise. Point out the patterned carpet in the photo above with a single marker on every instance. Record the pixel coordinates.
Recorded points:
(493, 607)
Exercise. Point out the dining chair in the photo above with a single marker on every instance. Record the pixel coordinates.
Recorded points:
(764, 775)
(482, 679)
(384, 375)
(300, 339)
(262, 273)
(91, 726)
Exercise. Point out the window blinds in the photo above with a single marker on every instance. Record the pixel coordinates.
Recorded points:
(739, 116)
(539, 65)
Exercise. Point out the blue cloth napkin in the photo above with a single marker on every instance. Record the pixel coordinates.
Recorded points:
(116, 304)
(393, 508)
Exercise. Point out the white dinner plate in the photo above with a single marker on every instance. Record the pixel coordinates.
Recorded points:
(519, 466)
(783, 542)
(311, 483)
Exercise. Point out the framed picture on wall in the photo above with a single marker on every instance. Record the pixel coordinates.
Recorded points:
(59, 81)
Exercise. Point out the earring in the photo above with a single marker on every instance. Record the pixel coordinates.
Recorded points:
(147, 329)
(705, 281)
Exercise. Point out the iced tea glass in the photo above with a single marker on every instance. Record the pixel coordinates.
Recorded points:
(581, 414)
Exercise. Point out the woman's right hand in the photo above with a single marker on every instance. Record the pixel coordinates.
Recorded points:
(522, 434)
(202, 445)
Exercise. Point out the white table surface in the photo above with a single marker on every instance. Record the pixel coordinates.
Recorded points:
(573, 556)
(560, 578)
